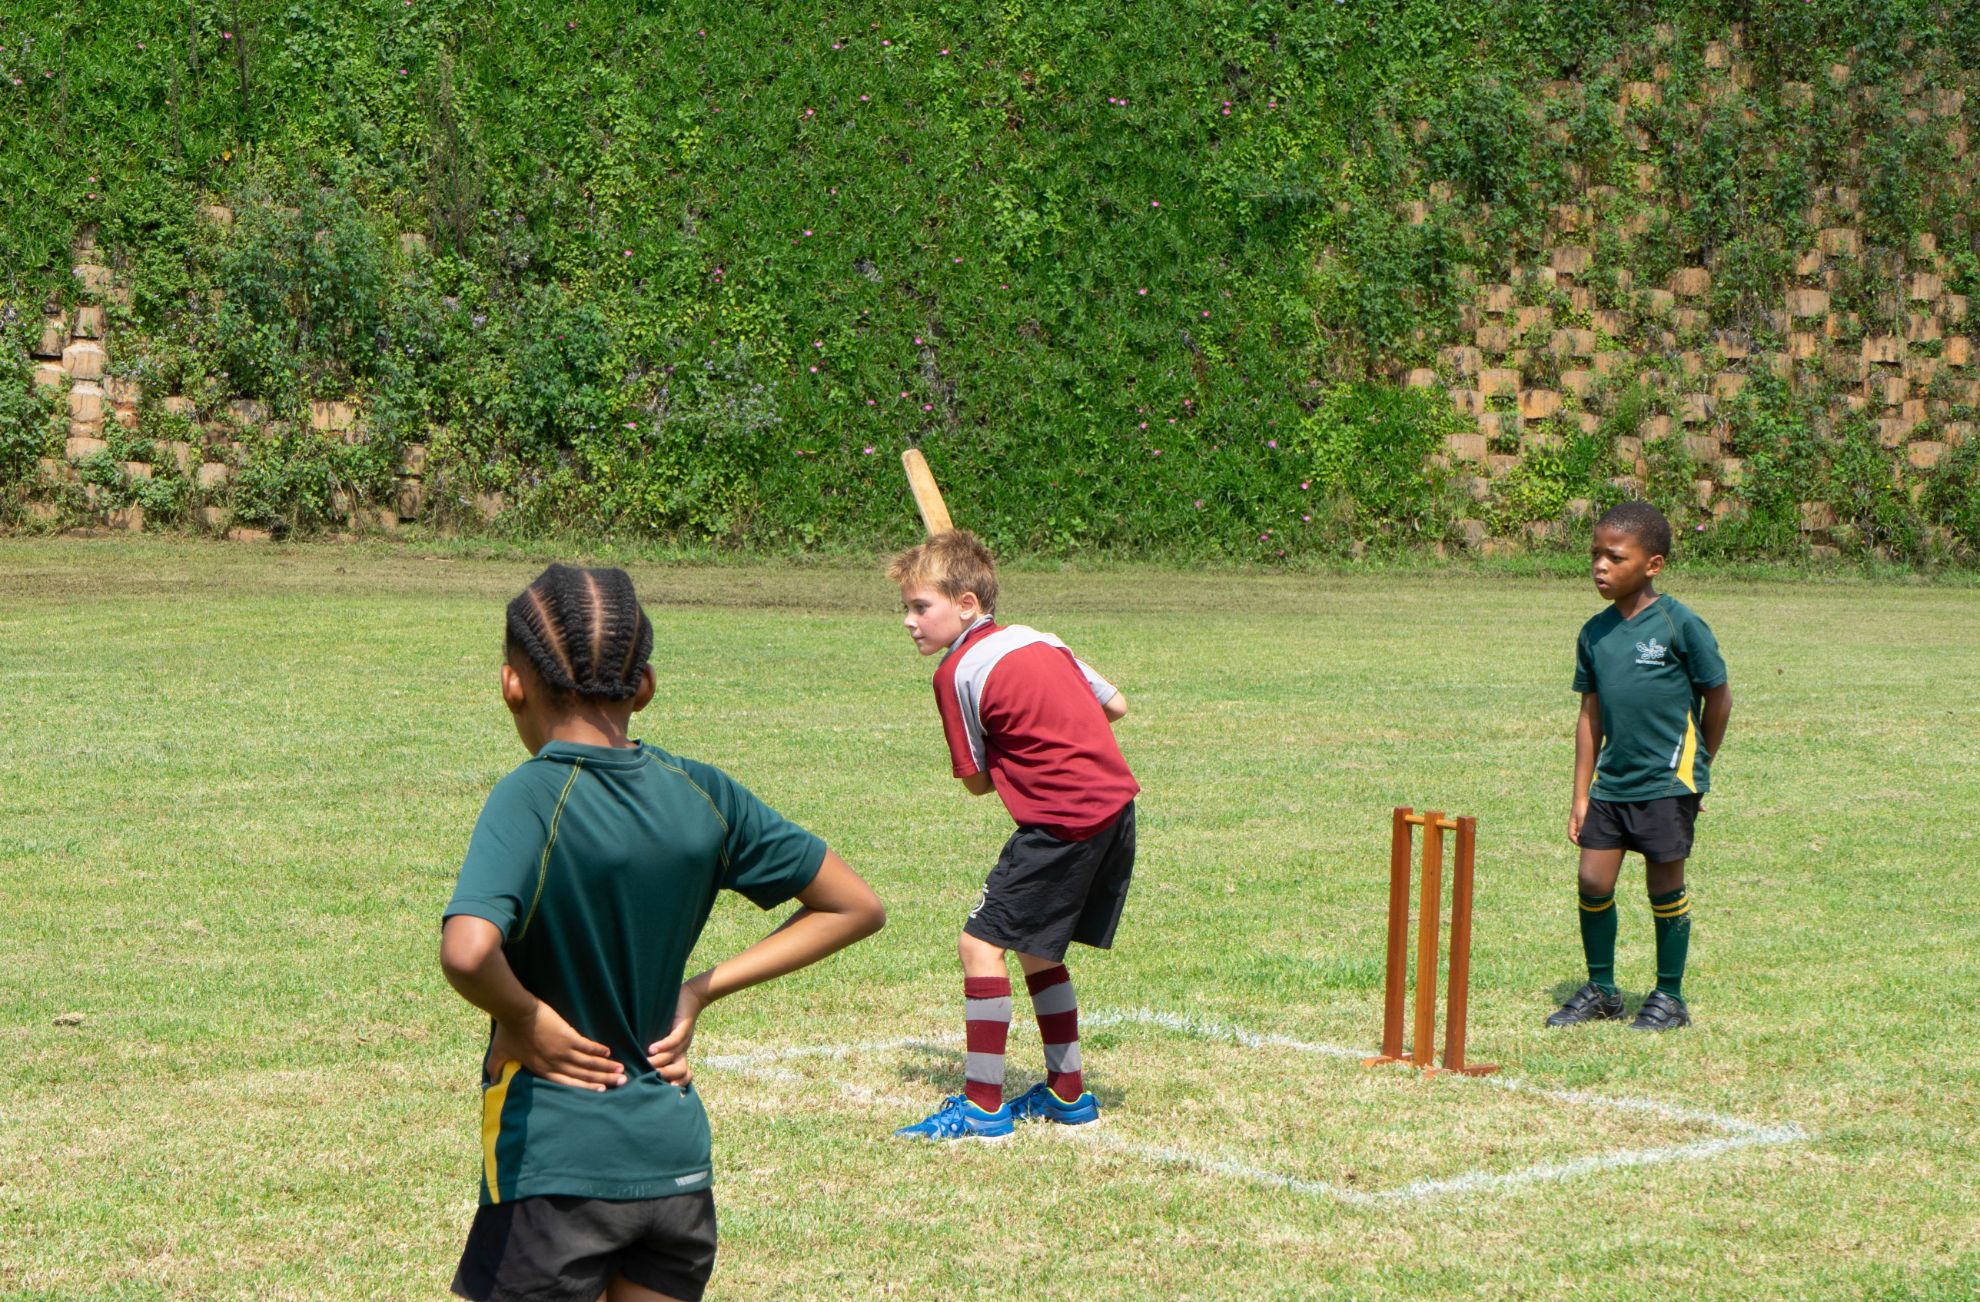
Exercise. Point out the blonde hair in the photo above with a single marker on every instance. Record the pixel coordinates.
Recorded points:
(952, 563)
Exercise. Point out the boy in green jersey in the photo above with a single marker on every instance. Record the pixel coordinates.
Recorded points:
(1654, 706)
(587, 881)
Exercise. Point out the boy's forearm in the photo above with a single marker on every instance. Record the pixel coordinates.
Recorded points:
(839, 909)
(477, 969)
(1718, 713)
(1587, 745)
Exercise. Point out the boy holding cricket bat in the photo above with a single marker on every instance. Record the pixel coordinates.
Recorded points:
(1026, 718)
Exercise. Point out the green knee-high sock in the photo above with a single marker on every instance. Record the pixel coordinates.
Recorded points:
(1598, 939)
(1673, 914)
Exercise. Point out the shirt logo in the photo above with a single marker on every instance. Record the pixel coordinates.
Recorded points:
(1651, 652)
(690, 1179)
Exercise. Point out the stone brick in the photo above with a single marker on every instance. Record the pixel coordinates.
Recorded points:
(1807, 303)
(83, 445)
(1920, 371)
(1839, 240)
(1816, 516)
(123, 391)
(1608, 322)
(1580, 298)
(1690, 282)
(1808, 263)
(1571, 259)
(127, 517)
(1701, 492)
(1694, 409)
(1957, 432)
(84, 360)
(1926, 286)
(1726, 385)
(490, 505)
(1608, 364)
(93, 278)
(54, 337)
(248, 411)
(1893, 431)
(218, 214)
(1658, 302)
(1716, 55)
(1731, 471)
(249, 536)
(1702, 447)
(1499, 464)
(1958, 351)
(1913, 411)
(1953, 307)
(1691, 363)
(182, 456)
(1947, 101)
(178, 406)
(138, 469)
(1464, 360)
(1778, 364)
(1732, 346)
(1654, 428)
(1423, 377)
(1496, 424)
(1497, 299)
(1538, 404)
(1921, 327)
(1572, 343)
(1887, 349)
(89, 322)
(331, 417)
(1468, 402)
(1528, 318)
(1580, 383)
(1498, 380)
(50, 375)
(1891, 390)
(1690, 319)
(1466, 447)
(212, 474)
(410, 499)
(86, 401)
(1493, 339)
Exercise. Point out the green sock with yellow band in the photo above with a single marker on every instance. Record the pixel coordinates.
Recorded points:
(1598, 939)
(1673, 915)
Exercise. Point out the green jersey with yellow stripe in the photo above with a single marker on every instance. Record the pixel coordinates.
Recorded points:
(600, 865)
(1650, 674)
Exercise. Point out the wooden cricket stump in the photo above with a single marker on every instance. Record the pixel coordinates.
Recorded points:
(1423, 1046)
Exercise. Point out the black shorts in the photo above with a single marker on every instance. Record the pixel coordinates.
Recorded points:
(1046, 893)
(1659, 830)
(557, 1248)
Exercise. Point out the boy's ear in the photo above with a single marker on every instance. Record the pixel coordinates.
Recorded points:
(647, 685)
(1654, 567)
(969, 604)
(514, 693)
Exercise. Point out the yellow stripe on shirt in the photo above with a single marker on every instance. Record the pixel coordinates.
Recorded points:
(1688, 755)
(492, 1100)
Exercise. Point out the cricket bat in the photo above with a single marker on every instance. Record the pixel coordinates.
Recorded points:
(927, 497)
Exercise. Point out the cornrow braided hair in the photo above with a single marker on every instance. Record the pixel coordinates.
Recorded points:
(583, 630)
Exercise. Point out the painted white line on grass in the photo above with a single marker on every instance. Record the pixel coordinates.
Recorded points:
(762, 1064)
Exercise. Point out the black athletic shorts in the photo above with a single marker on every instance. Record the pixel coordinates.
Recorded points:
(1659, 830)
(556, 1248)
(1046, 893)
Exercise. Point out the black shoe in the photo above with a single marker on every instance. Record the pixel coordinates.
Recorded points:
(1591, 1003)
(1660, 1012)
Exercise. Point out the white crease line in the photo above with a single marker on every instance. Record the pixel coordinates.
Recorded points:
(1739, 1134)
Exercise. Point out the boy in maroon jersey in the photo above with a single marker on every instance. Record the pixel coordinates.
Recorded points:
(1023, 716)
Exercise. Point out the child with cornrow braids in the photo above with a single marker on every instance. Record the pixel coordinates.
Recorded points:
(589, 877)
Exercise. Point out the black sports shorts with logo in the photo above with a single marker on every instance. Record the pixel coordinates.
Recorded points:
(1045, 893)
(559, 1248)
(1659, 830)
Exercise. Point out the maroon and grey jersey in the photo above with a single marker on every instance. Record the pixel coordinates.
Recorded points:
(1017, 704)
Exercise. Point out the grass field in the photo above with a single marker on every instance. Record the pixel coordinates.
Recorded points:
(235, 785)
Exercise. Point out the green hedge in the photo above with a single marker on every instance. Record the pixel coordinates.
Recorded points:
(702, 274)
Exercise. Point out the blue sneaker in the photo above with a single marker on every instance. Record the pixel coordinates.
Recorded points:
(1039, 1103)
(958, 1118)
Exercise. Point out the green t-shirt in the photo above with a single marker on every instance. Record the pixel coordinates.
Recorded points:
(1650, 674)
(600, 866)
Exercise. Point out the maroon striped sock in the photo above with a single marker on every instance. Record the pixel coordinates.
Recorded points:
(1058, 1026)
(986, 1030)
